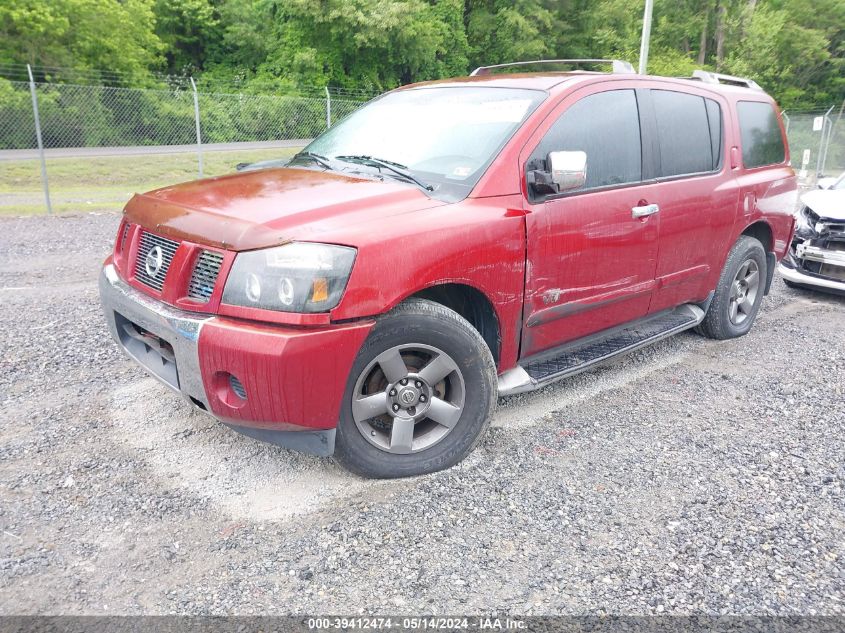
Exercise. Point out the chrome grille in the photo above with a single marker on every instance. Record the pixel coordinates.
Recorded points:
(205, 275)
(123, 236)
(146, 244)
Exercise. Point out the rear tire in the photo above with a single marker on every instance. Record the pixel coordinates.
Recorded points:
(420, 394)
(739, 292)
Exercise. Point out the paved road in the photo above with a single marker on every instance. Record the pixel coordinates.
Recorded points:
(691, 477)
(75, 152)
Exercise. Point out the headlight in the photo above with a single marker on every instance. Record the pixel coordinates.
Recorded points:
(804, 222)
(801, 221)
(296, 277)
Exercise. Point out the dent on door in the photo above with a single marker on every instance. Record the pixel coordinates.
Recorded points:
(590, 267)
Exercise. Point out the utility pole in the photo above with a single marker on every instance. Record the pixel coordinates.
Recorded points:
(649, 5)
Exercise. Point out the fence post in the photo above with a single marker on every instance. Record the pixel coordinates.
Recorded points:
(821, 142)
(197, 119)
(829, 129)
(44, 181)
(328, 109)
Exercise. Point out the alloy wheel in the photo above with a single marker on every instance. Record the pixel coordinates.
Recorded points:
(744, 290)
(408, 398)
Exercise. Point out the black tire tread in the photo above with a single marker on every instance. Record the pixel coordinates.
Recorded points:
(716, 323)
(448, 319)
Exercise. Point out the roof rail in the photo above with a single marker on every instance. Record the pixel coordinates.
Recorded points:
(718, 78)
(618, 67)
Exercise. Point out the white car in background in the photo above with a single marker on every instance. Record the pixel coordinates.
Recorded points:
(816, 258)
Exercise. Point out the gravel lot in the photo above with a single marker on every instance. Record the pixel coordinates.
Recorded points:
(692, 477)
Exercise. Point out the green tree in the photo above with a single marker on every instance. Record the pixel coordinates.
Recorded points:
(82, 34)
(189, 29)
(370, 43)
(500, 31)
(794, 48)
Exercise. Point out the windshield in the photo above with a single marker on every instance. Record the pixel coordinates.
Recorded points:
(444, 137)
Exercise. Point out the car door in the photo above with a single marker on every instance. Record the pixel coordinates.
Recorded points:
(591, 252)
(697, 191)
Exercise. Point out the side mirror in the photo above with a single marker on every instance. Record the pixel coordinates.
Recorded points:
(568, 169)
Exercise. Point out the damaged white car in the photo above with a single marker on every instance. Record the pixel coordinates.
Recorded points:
(816, 258)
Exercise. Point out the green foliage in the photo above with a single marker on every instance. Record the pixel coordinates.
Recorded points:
(82, 34)
(500, 32)
(790, 58)
(16, 115)
(371, 43)
(189, 30)
(794, 48)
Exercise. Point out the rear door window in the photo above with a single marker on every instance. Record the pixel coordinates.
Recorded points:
(762, 143)
(606, 126)
(689, 132)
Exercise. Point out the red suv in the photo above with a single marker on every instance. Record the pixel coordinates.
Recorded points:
(449, 243)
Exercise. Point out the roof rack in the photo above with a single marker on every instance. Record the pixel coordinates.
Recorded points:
(618, 67)
(718, 78)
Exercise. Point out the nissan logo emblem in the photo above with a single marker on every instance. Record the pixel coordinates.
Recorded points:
(154, 260)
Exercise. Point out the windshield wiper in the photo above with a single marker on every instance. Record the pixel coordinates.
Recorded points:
(317, 158)
(396, 168)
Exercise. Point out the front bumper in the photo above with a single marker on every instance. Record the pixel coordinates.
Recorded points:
(277, 384)
(792, 274)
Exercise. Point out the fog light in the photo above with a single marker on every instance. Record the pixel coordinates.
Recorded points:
(237, 387)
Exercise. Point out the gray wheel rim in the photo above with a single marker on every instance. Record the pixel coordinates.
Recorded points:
(744, 290)
(408, 398)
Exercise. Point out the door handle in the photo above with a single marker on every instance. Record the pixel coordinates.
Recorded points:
(644, 211)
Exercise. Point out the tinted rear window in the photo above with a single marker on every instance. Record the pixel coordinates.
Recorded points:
(683, 133)
(762, 143)
(606, 126)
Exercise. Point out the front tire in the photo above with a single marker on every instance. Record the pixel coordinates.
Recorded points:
(739, 292)
(420, 394)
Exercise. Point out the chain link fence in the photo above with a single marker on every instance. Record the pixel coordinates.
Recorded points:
(816, 142)
(184, 132)
(101, 143)
(76, 116)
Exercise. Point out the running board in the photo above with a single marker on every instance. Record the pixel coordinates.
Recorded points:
(537, 372)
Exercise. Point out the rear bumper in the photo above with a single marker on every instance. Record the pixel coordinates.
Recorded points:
(282, 385)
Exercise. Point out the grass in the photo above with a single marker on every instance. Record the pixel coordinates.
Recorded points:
(105, 183)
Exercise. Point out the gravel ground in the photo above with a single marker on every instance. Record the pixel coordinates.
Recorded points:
(691, 477)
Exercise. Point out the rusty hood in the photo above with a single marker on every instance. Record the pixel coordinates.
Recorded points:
(267, 207)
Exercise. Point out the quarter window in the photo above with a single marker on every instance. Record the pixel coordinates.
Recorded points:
(762, 143)
(606, 126)
(689, 132)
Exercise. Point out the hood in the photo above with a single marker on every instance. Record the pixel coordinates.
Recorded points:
(268, 207)
(826, 203)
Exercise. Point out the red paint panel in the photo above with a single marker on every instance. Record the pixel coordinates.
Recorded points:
(274, 316)
(767, 194)
(269, 207)
(291, 376)
(697, 217)
(477, 243)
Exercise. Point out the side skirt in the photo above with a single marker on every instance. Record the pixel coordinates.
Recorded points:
(573, 358)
